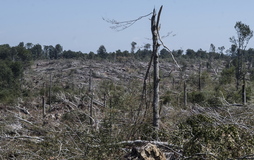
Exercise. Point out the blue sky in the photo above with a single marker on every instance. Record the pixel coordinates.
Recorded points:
(77, 24)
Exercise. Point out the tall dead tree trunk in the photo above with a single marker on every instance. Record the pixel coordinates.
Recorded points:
(155, 36)
(185, 94)
(238, 69)
(154, 58)
(50, 85)
(90, 80)
(91, 96)
(173, 83)
(244, 71)
(43, 101)
(244, 101)
(199, 77)
(91, 109)
(104, 100)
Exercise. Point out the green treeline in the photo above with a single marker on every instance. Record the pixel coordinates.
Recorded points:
(28, 52)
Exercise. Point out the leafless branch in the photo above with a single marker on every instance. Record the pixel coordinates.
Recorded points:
(22, 137)
(24, 120)
(247, 157)
(167, 35)
(202, 154)
(146, 76)
(141, 142)
(16, 116)
(60, 149)
(168, 51)
(23, 110)
(121, 25)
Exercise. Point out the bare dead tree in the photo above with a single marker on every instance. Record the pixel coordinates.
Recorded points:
(155, 27)
(199, 77)
(173, 83)
(244, 98)
(43, 106)
(122, 25)
(156, 87)
(104, 100)
(185, 93)
(91, 94)
(91, 109)
(43, 102)
(50, 86)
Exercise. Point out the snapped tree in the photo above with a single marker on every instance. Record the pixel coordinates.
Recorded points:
(155, 27)
(156, 78)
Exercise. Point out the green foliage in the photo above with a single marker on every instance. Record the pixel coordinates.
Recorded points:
(12, 62)
(143, 54)
(102, 53)
(233, 96)
(190, 53)
(6, 75)
(10, 74)
(244, 34)
(202, 134)
(227, 75)
(170, 98)
(205, 80)
(17, 69)
(5, 52)
(196, 97)
(37, 51)
(252, 74)
(75, 116)
(7, 95)
(31, 51)
(23, 54)
(71, 55)
(214, 102)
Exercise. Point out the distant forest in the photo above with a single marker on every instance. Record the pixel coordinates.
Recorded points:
(28, 52)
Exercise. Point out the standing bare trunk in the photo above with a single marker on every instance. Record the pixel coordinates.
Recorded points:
(91, 96)
(50, 85)
(91, 109)
(244, 92)
(173, 83)
(104, 100)
(199, 77)
(90, 80)
(43, 102)
(185, 94)
(238, 69)
(43, 107)
(155, 34)
(114, 57)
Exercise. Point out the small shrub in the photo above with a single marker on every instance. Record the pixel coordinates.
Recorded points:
(227, 75)
(196, 97)
(200, 134)
(214, 102)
